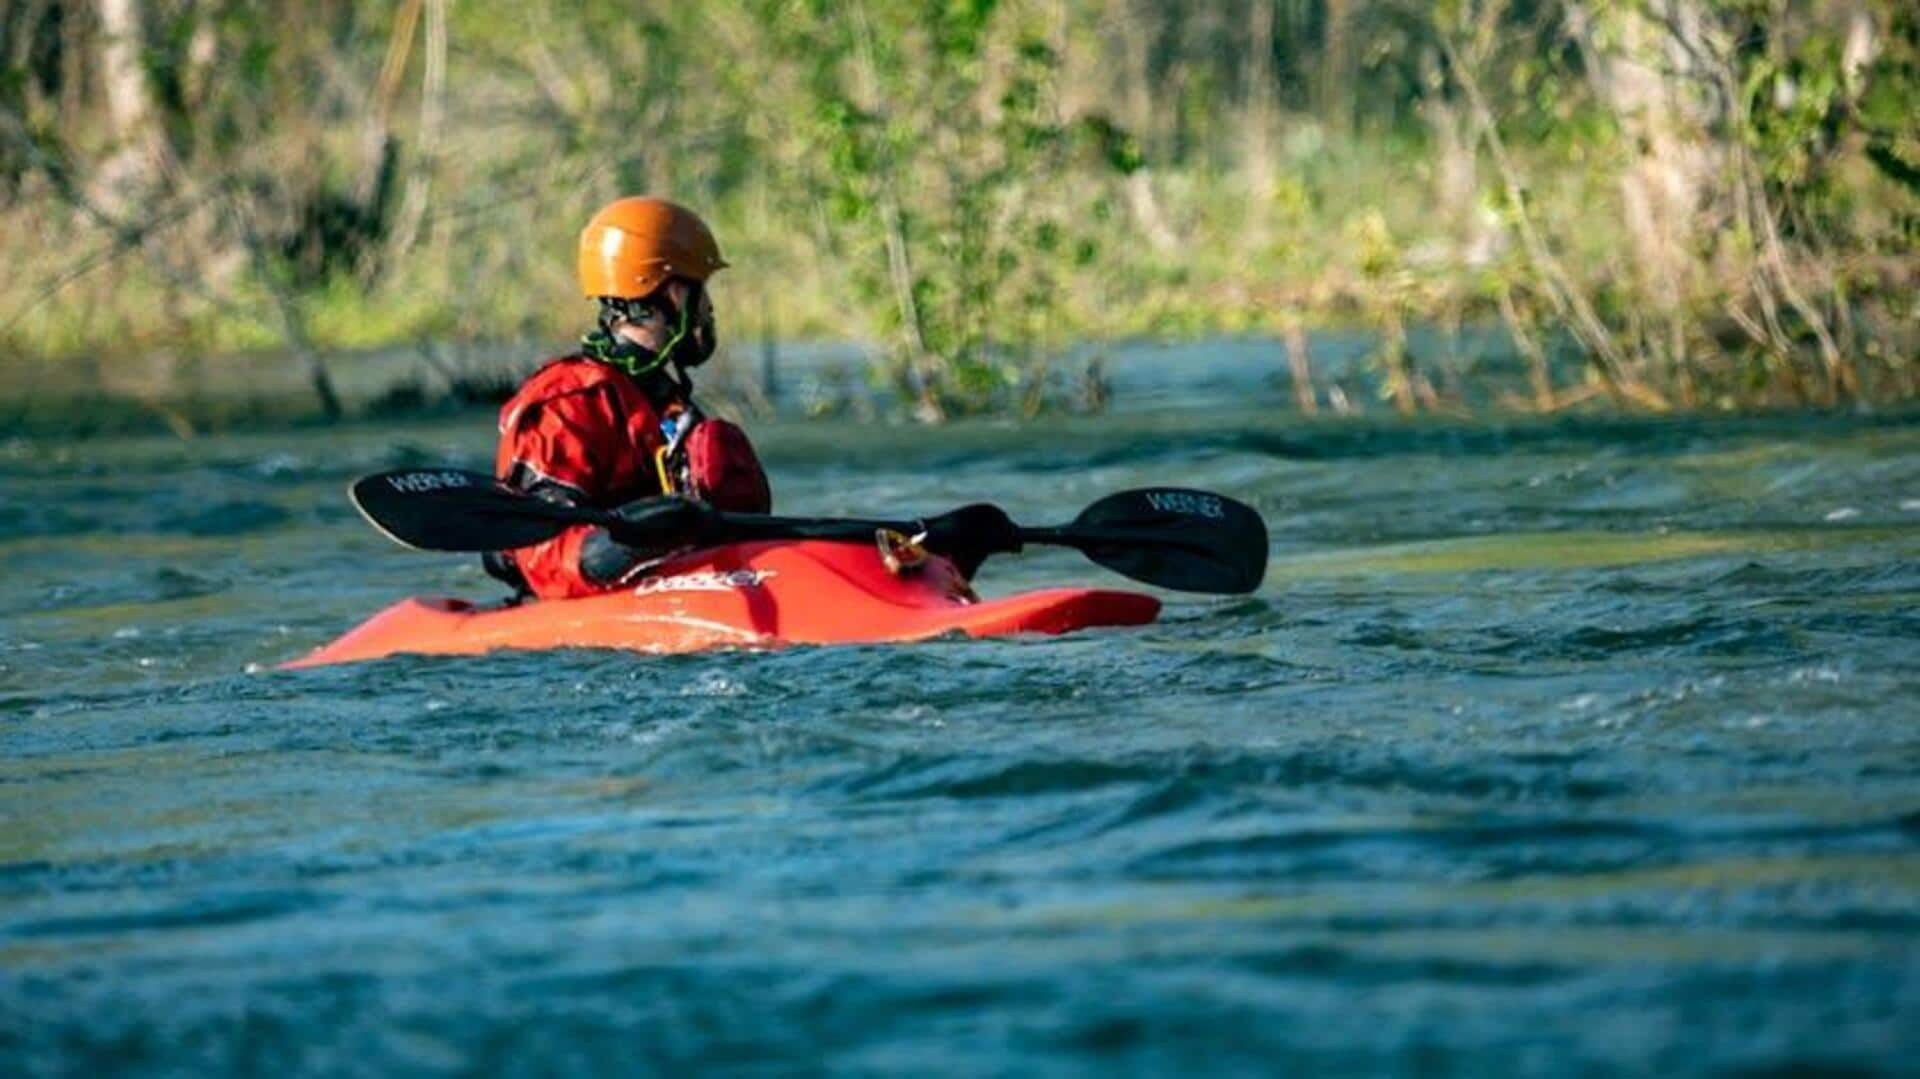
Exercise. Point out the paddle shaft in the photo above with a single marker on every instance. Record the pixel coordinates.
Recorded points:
(1176, 538)
(754, 526)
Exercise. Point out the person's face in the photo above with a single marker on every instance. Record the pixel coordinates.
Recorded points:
(655, 329)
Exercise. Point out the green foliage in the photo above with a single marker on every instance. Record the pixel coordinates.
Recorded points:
(1889, 105)
(929, 129)
(1119, 150)
(973, 183)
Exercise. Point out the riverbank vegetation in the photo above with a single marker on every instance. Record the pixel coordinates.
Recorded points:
(1666, 204)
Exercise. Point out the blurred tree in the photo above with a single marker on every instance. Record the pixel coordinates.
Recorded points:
(1709, 201)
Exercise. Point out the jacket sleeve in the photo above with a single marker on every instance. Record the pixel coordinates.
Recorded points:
(724, 469)
(551, 452)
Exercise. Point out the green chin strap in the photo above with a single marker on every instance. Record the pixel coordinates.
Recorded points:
(631, 358)
(602, 345)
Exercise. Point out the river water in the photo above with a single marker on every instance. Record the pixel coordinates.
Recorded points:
(1564, 746)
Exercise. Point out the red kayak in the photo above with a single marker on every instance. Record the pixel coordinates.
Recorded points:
(749, 595)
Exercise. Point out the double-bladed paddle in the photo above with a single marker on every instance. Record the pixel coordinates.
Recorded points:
(1173, 537)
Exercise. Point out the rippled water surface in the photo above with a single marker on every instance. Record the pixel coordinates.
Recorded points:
(1568, 746)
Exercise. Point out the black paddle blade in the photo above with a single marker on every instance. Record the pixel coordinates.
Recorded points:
(1175, 537)
(445, 509)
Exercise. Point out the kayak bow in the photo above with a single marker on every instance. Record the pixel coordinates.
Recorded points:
(751, 595)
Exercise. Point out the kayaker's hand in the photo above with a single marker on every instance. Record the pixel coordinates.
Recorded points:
(661, 524)
(971, 533)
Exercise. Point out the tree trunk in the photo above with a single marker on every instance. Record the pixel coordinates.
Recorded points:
(203, 49)
(1300, 363)
(1336, 68)
(433, 92)
(1261, 111)
(377, 144)
(920, 365)
(1649, 75)
(1144, 121)
(140, 161)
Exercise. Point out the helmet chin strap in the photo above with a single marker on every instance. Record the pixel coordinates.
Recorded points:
(636, 359)
(688, 347)
(616, 351)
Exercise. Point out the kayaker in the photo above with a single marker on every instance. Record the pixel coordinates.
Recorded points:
(614, 424)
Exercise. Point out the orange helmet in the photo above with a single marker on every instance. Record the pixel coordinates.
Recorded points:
(634, 244)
